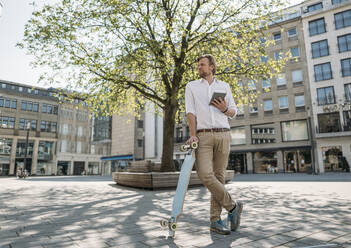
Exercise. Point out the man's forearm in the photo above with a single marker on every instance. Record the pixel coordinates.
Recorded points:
(192, 124)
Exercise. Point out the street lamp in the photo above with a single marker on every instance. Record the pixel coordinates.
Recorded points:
(311, 139)
(26, 148)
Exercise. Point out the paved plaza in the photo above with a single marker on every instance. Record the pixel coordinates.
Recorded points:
(281, 210)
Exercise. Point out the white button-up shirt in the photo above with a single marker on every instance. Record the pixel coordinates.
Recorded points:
(197, 102)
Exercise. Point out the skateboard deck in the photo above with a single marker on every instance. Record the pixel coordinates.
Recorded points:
(182, 188)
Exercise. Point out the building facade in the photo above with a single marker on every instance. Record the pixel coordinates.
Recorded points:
(75, 153)
(327, 31)
(28, 134)
(301, 119)
(132, 139)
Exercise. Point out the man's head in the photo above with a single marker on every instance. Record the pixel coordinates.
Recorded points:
(206, 65)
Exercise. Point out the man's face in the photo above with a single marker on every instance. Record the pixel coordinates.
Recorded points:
(204, 67)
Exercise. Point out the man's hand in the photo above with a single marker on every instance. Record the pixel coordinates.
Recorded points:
(220, 104)
(192, 139)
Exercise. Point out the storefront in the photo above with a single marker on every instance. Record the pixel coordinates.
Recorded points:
(299, 160)
(5, 156)
(237, 162)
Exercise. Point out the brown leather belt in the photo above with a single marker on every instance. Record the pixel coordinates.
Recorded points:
(213, 130)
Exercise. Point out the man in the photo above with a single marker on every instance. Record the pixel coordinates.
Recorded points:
(209, 126)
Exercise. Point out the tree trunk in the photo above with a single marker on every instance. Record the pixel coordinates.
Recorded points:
(167, 163)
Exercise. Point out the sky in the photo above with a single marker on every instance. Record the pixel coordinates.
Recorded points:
(14, 62)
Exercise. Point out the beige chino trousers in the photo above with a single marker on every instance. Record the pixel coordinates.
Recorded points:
(211, 162)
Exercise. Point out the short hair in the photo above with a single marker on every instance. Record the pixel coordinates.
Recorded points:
(211, 61)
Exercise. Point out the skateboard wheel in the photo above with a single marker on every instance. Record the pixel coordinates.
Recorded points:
(163, 223)
(183, 148)
(194, 145)
(173, 226)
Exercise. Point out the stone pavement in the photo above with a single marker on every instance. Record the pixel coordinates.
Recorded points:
(284, 210)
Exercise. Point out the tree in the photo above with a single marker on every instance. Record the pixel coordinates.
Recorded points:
(122, 53)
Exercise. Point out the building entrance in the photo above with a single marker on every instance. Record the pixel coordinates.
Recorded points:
(78, 168)
(297, 161)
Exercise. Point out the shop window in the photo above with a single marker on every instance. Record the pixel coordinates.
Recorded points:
(265, 162)
(332, 158)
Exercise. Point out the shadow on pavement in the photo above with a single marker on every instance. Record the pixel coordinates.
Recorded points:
(293, 177)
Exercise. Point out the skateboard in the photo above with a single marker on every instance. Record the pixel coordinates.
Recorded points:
(182, 187)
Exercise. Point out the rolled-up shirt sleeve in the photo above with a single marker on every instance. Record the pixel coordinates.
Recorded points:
(189, 101)
(230, 102)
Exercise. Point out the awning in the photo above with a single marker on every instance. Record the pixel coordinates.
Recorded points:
(122, 157)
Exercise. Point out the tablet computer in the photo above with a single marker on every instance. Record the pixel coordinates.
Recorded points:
(217, 95)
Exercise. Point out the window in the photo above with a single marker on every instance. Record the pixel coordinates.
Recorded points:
(338, 1)
(43, 126)
(316, 27)
(299, 100)
(342, 19)
(281, 79)
(346, 67)
(278, 55)
(49, 109)
(36, 107)
(253, 109)
(1, 102)
(34, 125)
(294, 130)
(292, 32)
(264, 59)
(347, 88)
(5, 122)
(36, 92)
(14, 104)
(29, 90)
(295, 52)
(322, 72)
(29, 106)
(328, 123)
(80, 131)
(277, 36)
(297, 76)
(344, 43)
(267, 105)
(24, 105)
(315, 7)
(79, 147)
(43, 109)
(240, 109)
(320, 49)
(140, 124)
(64, 146)
(252, 85)
(7, 103)
(238, 136)
(3, 86)
(283, 102)
(140, 143)
(266, 84)
(11, 122)
(20, 89)
(325, 95)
